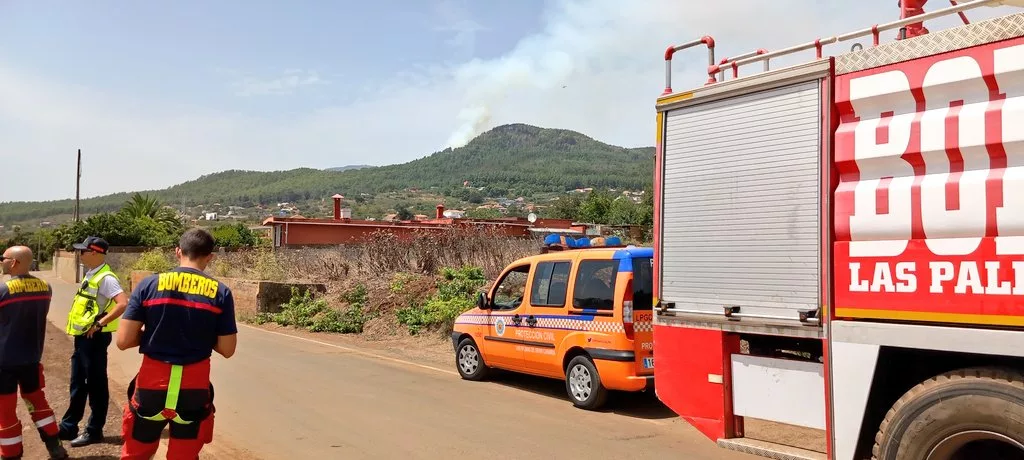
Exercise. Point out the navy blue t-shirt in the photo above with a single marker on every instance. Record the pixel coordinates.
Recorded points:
(24, 302)
(184, 311)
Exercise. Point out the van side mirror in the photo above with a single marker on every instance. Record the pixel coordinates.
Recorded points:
(481, 301)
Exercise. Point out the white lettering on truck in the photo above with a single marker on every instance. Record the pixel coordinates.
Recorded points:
(960, 198)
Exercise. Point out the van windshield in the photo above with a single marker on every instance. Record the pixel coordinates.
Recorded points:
(643, 284)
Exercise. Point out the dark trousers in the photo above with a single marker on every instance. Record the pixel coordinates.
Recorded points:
(88, 382)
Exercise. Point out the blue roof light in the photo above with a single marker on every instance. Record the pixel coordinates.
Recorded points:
(556, 241)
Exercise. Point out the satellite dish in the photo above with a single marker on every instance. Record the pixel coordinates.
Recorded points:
(532, 218)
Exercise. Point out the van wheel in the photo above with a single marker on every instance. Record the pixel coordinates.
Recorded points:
(960, 415)
(469, 361)
(583, 384)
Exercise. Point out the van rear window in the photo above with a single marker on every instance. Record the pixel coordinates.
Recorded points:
(643, 284)
(594, 287)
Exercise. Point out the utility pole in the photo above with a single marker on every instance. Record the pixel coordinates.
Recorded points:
(78, 188)
(78, 183)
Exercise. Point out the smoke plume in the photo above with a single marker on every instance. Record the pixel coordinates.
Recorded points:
(589, 48)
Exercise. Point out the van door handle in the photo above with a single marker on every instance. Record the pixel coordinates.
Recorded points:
(517, 319)
(531, 320)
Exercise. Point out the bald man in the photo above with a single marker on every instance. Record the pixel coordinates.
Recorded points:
(24, 302)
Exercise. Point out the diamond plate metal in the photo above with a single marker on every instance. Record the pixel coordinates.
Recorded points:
(769, 450)
(979, 33)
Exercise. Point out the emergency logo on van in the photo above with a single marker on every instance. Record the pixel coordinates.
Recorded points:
(929, 209)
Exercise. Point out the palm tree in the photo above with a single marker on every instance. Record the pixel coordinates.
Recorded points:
(146, 206)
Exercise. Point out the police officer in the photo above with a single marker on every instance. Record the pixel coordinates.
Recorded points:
(93, 318)
(24, 303)
(177, 319)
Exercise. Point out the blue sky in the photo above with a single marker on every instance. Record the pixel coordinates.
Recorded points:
(157, 93)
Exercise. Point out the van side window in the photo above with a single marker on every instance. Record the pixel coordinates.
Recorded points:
(595, 285)
(511, 289)
(549, 284)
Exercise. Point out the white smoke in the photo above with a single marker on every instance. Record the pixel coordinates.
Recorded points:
(473, 121)
(489, 83)
(544, 61)
(588, 49)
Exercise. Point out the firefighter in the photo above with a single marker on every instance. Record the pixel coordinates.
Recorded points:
(93, 318)
(24, 303)
(177, 319)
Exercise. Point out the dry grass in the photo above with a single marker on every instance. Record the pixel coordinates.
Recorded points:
(395, 273)
(383, 256)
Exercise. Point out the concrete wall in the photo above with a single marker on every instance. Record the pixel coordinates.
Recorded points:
(64, 261)
(64, 266)
(251, 296)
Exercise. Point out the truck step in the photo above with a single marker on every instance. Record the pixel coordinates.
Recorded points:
(770, 450)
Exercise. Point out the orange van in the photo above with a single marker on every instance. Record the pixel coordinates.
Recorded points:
(582, 315)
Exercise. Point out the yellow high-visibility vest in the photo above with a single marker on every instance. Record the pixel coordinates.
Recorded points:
(84, 309)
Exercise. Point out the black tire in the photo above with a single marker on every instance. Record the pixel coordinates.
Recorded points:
(469, 361)
(935, 419)
(583, 384)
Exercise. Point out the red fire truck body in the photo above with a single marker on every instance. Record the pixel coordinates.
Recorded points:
(839, 245)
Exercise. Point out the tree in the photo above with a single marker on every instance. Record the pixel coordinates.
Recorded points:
(235, 235)
(404, 213)
(567, 207)
(485, 213)
(595, 208)
(623, 211)
(120, 229)
(146, 206)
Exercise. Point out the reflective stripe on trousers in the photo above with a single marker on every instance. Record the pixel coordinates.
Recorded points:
(162, 393)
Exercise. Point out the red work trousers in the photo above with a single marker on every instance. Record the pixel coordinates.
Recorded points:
(147, 396)
(29, 379)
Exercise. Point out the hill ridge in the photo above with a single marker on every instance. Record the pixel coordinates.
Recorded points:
(517, 157)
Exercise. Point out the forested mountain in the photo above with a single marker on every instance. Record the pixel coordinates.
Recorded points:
(349, 167)
(519, 158)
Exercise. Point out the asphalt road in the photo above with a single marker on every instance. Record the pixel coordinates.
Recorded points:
(284, 397)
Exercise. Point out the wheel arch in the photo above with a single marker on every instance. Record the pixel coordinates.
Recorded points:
(571, 353)
(901, 369)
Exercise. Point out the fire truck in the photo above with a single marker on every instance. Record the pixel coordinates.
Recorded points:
(839, 243)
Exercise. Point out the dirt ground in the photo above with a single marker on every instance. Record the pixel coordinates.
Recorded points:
(436, 349)
(56, 366)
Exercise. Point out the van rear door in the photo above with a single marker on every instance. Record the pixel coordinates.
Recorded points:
(641, 288)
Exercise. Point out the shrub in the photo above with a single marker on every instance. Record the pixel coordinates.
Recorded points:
(316, 315)
(455, 292)
(266, 267)
(153, 261)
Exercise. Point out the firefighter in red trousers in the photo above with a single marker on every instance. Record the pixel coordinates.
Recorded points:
(24, 303)
(177, 319)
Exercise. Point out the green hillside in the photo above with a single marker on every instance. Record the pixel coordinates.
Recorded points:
(520, 158)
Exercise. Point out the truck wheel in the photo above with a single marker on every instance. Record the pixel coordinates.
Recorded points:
(469, 361)
(966, 414)
(583, 384)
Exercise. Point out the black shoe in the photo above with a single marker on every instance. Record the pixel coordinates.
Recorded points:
(55, 448)
(85, 439)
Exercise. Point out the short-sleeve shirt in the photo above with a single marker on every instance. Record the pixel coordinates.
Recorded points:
(24, 303)
(108, 289)
(184, 311)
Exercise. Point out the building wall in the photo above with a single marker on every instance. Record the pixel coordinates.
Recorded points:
(314, 234)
